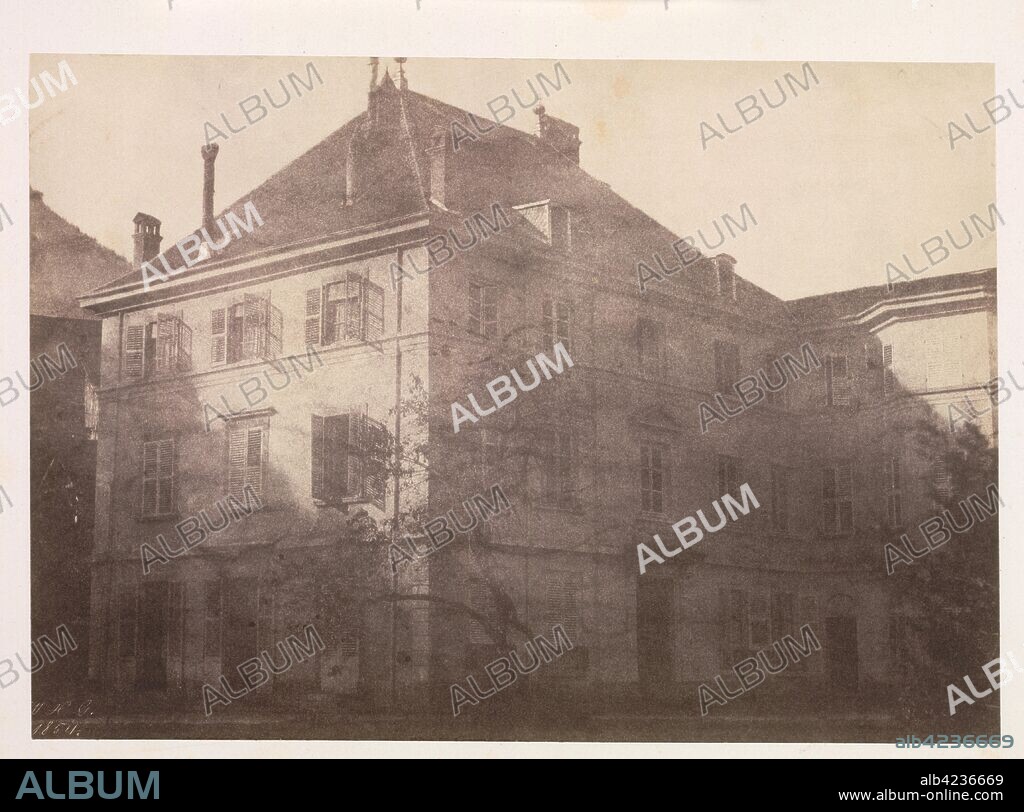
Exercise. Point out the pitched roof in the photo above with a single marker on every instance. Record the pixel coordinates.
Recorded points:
(389, 145)
(830, 308)
(64, 263)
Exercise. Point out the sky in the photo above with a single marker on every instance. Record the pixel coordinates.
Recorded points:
(842, 178)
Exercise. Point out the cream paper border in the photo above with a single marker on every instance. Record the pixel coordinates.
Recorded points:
(797, 31)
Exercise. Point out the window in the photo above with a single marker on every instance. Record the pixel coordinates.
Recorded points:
(780, 499)
(481, 599)
(942, 360)
(158, 478)
(728, 475)
(837, 498)
(212, 626)
(348, 458)
(351, 309)
(483, 310)
(245, 331)
(726, 280)
(727, 365)
(160, 347)
(651, 339)
(126, 621)
(247, 453)
(558, 485)
(888, 371)
(837, 381)
(553, 223)
(90, 409)
(653, 477)
(891, 479)
(557, 317)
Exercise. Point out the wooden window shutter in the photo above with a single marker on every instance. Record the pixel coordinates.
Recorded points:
(374, 308)
(218, 331)
(165, 474)
(355, 454)
(275, 344)
(254, 460)
(150, 472)
(354, 306)
(254, 324)
(134, 350)
(184, 347)
(318, 454)
(166, 343)
(314, 308)
(375, 460)
(236, 461)
(888, 373)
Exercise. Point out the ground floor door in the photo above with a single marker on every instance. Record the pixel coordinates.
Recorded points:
(152, 666)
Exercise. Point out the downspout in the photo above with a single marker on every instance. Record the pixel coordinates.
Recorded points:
(396, 524)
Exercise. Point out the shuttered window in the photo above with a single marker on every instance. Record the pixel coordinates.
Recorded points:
(483, 310)
(248, 330)
(837, 497)
(349, 310)
(562, 607)
(888, 371)
(348, 458)
(246, 459)
(653, 477)
(837, 381)
(158, 478)
(558, 470)
(134, 350)
(557, 324)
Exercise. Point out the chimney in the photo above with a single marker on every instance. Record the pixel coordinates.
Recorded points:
(560, 135)
(147, 238)
(440, 166)
(209, 153)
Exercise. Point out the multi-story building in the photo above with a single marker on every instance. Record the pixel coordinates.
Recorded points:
(407, 275)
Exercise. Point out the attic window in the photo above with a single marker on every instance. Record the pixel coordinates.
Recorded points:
(552, 222)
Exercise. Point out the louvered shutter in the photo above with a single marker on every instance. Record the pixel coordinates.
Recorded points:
(275, 343)
(165, 482)
(150, 473)
(888, 373)
(314, 304)
(481, 599)
(236, 461)
(375, 460)
(354, 454)
(840, 381)
(254, 460)
(166, 343)
(317, 455)
(354, 306)
(134, 350)
(374, 307)
(218, 332)
(254, 324)
(184, 347)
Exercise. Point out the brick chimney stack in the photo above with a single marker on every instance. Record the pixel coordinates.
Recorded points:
(147, 238)
(560, 135)
(209, 153)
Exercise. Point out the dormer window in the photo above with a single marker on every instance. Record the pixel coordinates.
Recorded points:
(552, 222)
